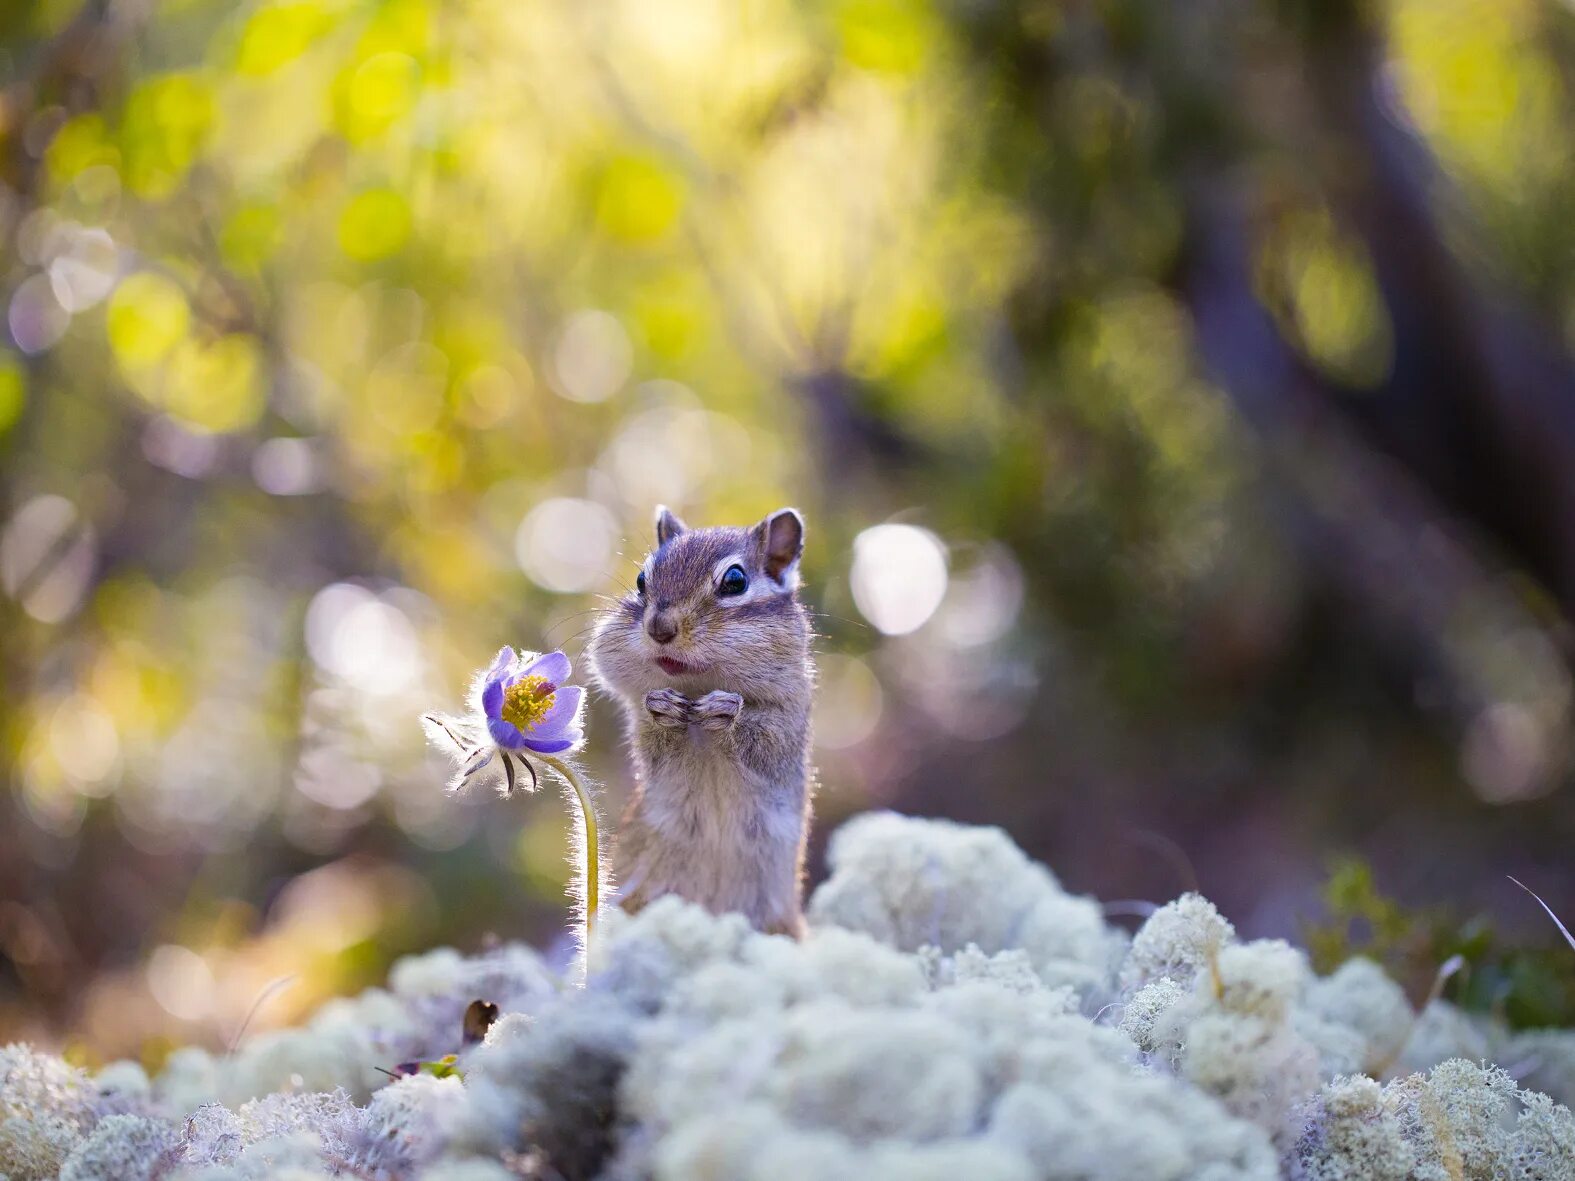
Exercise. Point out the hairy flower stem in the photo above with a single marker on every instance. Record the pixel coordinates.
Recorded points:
(593, 868)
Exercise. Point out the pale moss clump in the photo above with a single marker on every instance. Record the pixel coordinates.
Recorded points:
(1457, 1115)
(1357, 1017)
(32, 1084)
(1459, 1122)
(1544, 1061)
(1186, 964)
(288, 1113)
(782, 1058)
(45, 1107)
(407, 1125)
(33, 1148)
(339, 1048)
(1443, 1031)
(1235, 1038)
(914, 883)
(1143, 1012)
(548, 1083)
(298, 1134)
(1253, 1026)
(294, 1157)
(1119, 1125)
(418, 1017)
(1011, 969)
(1263, 978)
(1360, 996)
(758, 1144)
(468, 1170)
(1475, 1115)
(1177, 941)
(1350, 1133)
(952, 1014)
(123, 1087)
(124, 1148)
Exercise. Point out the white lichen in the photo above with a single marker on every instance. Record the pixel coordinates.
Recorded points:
(1145, 1009)
(407, 1125)
(1177, 941)
(1442, 1031)
(1360, 997)
(1357, 1017)
(1235, 1037)
(831, 1072)
(1459, 1122)
(952, 1013)
(911, 883)
(1543, 1060)
(46, 1105)
(346, 1042)
(124, 1148)
(1349, 1133)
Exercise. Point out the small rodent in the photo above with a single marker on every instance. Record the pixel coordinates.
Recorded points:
(710, 657)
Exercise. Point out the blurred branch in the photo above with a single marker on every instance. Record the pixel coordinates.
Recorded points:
(1362, 519)
(71, 63)
(1480, 403)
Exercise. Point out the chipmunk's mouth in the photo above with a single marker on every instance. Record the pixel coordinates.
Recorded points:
(675, 668)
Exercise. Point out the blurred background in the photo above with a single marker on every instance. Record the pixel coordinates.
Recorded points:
(1181, 398)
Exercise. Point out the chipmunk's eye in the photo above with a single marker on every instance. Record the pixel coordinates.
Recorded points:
(639, 584)
(734, 582)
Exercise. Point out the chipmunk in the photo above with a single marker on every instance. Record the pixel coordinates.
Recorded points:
(710, 658)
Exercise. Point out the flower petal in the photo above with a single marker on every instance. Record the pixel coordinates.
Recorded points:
(492, 685)
(550, 746)
(563, 714)
(505, 734)
(552, 665)
(492, 699)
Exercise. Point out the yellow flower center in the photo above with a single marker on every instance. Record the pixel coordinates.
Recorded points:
(526, 701)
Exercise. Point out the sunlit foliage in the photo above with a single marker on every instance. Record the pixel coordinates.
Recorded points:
(348, 341)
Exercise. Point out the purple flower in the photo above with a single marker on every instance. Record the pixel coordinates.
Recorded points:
(519, 706)
(523, 711)
(527, 704)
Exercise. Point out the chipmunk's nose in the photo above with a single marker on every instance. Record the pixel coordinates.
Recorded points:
(661, 628)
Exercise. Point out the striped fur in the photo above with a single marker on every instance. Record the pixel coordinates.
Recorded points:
(722, 797)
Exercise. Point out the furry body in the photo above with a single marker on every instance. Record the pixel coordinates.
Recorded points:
(720, 738)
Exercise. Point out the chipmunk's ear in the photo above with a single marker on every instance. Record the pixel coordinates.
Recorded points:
(668, 526)
(782, 536)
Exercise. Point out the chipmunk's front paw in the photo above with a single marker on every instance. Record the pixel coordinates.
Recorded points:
(717, 710)
(668, 708)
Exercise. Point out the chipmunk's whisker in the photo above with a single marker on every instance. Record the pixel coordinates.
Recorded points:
(839, 618)
(577, 640)
(573, 615)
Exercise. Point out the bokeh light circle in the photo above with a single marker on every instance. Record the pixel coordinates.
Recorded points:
(566, 544)
(593, 357)
(899, 576)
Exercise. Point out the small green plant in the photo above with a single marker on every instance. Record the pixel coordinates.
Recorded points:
(1528, 986)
